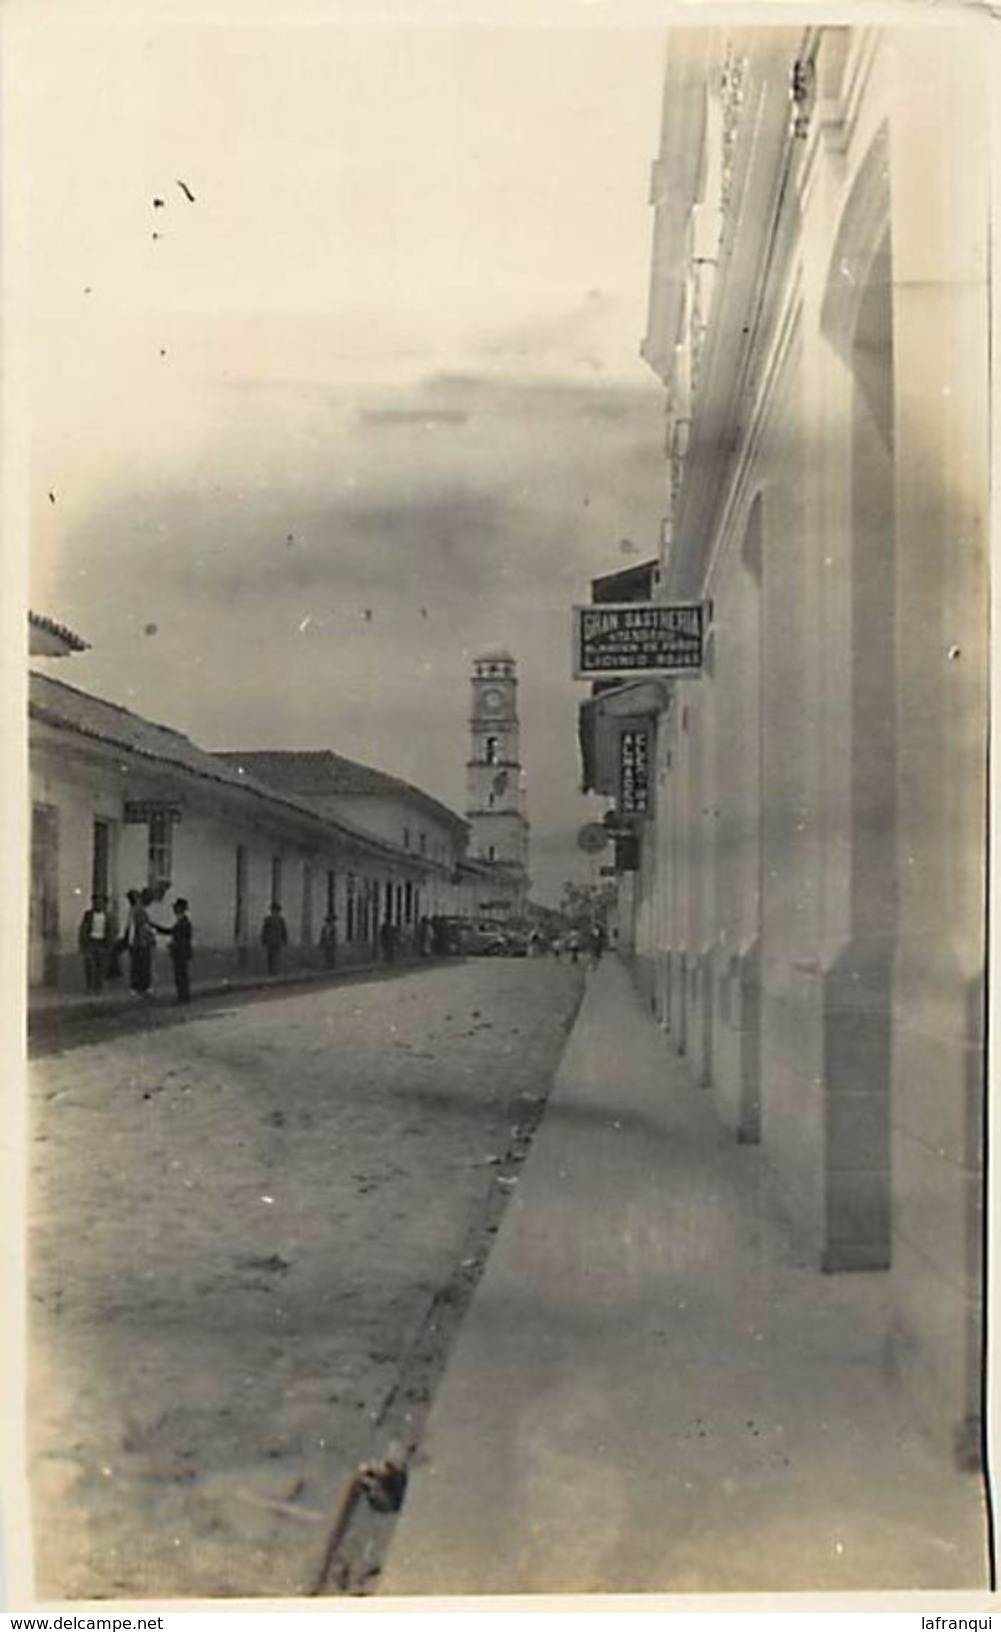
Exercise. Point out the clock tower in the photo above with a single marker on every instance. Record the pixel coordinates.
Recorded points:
(499, 828)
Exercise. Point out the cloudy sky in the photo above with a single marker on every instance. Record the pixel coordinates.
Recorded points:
(367, 401)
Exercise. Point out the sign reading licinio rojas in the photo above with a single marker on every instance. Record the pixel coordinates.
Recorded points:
(637, 637)
(634, 772)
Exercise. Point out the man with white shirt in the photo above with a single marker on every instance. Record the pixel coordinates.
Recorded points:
(94, 941)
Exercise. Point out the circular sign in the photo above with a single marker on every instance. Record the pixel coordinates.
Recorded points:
(592, 837)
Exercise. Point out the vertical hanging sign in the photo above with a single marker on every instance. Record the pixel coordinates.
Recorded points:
(634, 771)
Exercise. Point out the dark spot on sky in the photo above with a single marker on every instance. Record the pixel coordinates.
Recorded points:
(158, 203)
(150, 629)
(413, 416)
(367, 614)
(52, 498)
(186, 190)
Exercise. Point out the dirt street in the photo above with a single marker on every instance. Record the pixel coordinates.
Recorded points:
(252, 1236)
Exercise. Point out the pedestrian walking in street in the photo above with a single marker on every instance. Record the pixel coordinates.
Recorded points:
(140, 939)
(597, 940)
(274, 936)
(181, 936)
(387, 940)
(573, 946)
(328, 940)
(95, 939)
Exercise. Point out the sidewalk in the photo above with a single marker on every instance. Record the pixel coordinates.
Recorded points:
(652, 1392)
(47, 1006)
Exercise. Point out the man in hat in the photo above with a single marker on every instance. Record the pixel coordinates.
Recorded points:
(180, 949)
(274, 936)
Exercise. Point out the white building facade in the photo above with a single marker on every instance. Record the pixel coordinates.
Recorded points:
(808, 906)
(433, 837)
(119, 802)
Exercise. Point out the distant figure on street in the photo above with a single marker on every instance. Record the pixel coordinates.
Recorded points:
(328, 940)
(94, 939)
(141, 939)
(557, 947)
(424, 937)
(387, 940)
(274, 936)
(534, 944)
(597, 939)
(573, 946)
(181, 935)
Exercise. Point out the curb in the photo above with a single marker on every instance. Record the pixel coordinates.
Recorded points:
(39, 1019)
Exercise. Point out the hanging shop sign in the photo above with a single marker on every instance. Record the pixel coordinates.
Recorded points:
(627, 854)
(634, 772)
(638, 637)
(592, 837)
(144, 810)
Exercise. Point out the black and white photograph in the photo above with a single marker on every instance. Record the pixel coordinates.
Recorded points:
(499, 682)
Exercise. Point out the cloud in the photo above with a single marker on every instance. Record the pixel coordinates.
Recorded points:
(323, 577)
(413, 416)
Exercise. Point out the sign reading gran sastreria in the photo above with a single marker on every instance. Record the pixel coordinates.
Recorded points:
(637, 638)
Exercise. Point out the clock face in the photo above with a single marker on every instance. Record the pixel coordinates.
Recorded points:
(493, 700)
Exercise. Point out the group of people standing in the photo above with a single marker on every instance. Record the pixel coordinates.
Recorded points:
(102, 947)
(595, 939)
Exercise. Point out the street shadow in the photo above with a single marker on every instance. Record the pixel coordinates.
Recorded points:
(54, 1031)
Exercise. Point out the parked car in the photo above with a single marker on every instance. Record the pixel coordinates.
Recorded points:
(480, 939)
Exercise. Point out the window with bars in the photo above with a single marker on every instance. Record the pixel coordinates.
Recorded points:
(240, 915)
(306, 918)
(160, 853)
(351, 907)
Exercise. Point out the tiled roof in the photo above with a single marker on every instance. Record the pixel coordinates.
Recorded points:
(316, 773)
(55, 703)
(58, 632)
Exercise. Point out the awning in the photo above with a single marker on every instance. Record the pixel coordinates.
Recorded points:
(600, 723)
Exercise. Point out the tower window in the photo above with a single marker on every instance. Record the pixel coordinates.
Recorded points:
(492, 749)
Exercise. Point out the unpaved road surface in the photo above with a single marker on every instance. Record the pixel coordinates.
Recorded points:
(251, 1238)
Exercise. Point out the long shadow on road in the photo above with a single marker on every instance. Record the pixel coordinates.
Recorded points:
(55, 1030)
